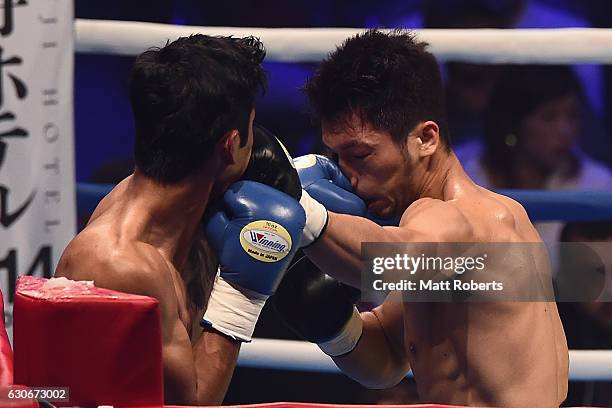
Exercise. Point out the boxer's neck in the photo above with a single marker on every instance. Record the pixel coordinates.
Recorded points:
(170, 214)
(445, 177)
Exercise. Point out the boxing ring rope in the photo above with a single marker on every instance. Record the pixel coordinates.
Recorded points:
(493, 46)
(540, 205)
(584, 365)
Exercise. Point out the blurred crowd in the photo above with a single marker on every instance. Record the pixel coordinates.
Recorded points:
(512, 127)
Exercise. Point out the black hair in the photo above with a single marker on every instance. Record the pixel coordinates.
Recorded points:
(520, 90)
(389, 80)
(186, 95)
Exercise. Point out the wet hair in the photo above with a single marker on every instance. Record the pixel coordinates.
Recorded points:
(389, 80)
(188, 94)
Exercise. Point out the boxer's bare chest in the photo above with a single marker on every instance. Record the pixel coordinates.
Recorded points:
(433, 328)
(473, 350)
(435, 335)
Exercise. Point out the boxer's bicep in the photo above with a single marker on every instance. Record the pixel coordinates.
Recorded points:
(180, 376)
(180, 381)
(147, 277)
(177, 355)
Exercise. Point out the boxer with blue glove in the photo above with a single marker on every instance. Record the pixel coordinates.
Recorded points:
(321, 177)
(380, 100)
(194, 139)
(313, 304)
(255, 236)
(328, 189)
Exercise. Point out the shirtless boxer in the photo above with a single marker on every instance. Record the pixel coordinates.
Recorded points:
(193, 103)
(381, 105)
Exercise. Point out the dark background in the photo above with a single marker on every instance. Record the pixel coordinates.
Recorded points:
(104, 129)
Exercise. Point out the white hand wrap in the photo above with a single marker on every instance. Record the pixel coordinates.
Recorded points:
(316, 219)
(347, 339)
(233, 311)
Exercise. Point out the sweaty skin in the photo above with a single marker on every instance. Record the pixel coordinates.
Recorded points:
(511, 354)
(144, 238)
(121, 250)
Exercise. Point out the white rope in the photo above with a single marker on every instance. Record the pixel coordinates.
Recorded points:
(585, 365)
(495, 46)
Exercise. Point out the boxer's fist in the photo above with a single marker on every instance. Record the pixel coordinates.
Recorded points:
(322, 179)
(327, 189)
(319, 308)
(271, 164)
(254, 236)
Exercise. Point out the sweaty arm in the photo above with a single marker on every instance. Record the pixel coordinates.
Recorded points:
(197, 374)
(339, 243)
(211, 360)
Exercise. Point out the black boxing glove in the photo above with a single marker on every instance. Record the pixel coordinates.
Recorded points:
(271, 164)
(319, 308)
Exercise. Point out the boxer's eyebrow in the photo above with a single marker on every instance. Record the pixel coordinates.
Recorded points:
(347, 145)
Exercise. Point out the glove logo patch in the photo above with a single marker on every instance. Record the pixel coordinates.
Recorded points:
(266, 241)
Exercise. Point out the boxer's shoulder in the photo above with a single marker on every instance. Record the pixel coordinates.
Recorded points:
(131, 267)
(436, 220)
(507, 216)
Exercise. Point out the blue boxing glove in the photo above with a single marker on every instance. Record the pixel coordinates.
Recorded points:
(254, 236)
(327, 189)
(322, 179)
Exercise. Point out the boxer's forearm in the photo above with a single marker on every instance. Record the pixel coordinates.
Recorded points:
(373, 362)
(215, 360)
(338, 251)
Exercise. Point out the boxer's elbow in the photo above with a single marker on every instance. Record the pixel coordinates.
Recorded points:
(207, 398)
(176, 393)
(383, 374)
(379, 360)
(381, 380)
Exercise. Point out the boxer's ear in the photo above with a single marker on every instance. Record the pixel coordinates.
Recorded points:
(228, 145)
(428, 137)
